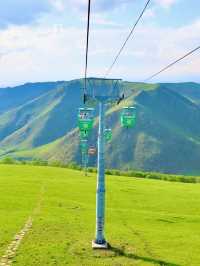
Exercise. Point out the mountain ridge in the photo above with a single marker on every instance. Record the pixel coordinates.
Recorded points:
(166, 137)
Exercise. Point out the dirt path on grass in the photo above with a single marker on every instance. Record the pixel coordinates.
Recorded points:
(10, 253)
(7, 258)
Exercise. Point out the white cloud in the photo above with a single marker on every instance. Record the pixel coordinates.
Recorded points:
(149, 13)
(24, 12)
(58, 5)
(32, 54)
(155, 47)
(55, 53)
(106, 5)
(166, 3)
(97, 5)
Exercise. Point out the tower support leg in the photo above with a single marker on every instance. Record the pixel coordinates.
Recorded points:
(100, 241)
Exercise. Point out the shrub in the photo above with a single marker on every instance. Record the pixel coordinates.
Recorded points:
(39, 162)
(8, 160)
(130, 173)
(56, 164)
(74, 166)
(23, 162)
(92, 170)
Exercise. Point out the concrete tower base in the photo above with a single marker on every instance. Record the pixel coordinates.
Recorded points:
(99, 246)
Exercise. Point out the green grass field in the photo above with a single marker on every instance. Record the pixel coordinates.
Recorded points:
(148, 222)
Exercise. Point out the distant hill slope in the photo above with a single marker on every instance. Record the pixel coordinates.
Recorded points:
(42, 120)
(166, 137)
(190, 90)
(16, 96)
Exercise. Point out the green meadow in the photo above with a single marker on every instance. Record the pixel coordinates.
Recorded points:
(148, 222)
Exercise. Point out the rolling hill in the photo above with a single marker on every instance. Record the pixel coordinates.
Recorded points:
(42, 125)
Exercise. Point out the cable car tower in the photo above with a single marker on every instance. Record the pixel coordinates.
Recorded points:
(101, 91)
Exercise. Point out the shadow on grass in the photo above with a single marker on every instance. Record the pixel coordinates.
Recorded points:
(166, 221)
(121, 252)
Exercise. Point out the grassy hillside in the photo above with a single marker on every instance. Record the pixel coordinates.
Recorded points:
(165, 139)
(166, 136)
(190, 90)
(16, 96)
(42, 120)
(147, 223)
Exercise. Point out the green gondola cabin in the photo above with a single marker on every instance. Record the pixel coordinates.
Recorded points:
(108, 135)
(84, 146)
(128, 117)
(85, 119)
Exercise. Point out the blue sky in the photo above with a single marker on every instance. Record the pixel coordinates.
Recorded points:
(42, 40)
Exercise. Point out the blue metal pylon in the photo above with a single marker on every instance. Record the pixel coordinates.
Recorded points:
(100, 194)
(103, 91)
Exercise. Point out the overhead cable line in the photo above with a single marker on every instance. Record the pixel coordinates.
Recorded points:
(172, 64)
(87, 45)
(128, 37)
